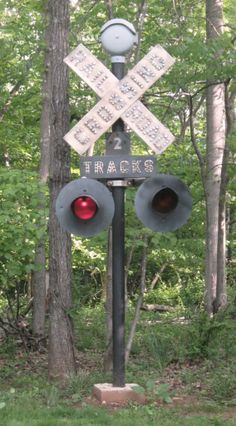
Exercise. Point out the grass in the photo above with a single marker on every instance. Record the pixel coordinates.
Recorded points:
(32, 413)
(192, 364)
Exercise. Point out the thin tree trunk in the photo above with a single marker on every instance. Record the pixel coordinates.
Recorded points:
(61, 349)
(39, 276)
(139, 301)
(109, 9)
(39, 290)
(157, 276)
(221, 293)
(108, 305)
(141, 13)
(129, 258)
(215, 148)
(215, 155)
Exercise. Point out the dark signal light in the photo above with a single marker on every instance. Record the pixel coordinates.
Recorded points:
(165, 201)
(84, 207)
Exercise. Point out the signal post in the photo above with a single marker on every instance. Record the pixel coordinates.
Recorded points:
(86, 206)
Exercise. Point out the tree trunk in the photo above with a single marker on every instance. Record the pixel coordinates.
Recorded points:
(157, 276)
(221, 293)
(39, 276)
(215, 155)
(128, 261)
(139, 301)
(39, 290)
(61, 349)
(108, 306)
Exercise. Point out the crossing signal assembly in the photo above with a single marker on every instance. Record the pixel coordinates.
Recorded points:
(163, 203)
(85, 207)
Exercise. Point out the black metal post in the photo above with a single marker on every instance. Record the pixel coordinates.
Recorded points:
(118, 279)
(118, 69)
(118, 293)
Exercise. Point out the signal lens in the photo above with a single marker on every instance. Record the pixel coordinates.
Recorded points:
(165, 201)
(84, 208)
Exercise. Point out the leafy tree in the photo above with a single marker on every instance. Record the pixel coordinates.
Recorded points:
(178, 100)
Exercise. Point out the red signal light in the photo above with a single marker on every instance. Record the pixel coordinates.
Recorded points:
(165, 201)
(84, 208)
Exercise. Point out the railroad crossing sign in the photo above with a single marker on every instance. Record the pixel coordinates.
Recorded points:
(86, 206)
(119, 99)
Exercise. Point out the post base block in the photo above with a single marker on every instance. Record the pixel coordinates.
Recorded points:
(107, 393)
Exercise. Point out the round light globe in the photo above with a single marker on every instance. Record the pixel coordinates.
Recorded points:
(118, 37)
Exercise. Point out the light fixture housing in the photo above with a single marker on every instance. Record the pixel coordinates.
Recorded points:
(118, 36)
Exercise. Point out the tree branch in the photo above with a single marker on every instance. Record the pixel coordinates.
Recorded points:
(194, 142)
(229, 108)
(109, 9)
(139, 24)
(157, 276)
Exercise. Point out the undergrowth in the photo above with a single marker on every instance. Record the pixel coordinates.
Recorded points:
(170, 357)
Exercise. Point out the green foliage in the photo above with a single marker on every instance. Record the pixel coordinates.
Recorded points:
(82, 385)
(163, 295)
(90, 323)
(221, 383)
(179, 340)
(158, 390)
(89, 259)
(88, 415)
(185, 294)
(21, 225)
(160, 341)
(205, 386)
(26, 397)
(180, 28)
(21, 77)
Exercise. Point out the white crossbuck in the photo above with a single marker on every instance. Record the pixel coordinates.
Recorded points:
(119, 99)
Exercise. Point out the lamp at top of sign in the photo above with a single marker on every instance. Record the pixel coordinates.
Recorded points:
(118, 36)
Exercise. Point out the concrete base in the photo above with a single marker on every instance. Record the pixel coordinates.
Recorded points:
(106, 393)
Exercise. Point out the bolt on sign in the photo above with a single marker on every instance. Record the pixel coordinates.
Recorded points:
(119, 99)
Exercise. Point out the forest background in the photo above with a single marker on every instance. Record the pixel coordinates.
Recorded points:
(190, 271)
